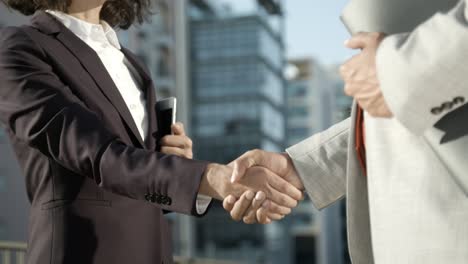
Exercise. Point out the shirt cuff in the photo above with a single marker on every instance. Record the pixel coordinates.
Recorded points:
(202, 204)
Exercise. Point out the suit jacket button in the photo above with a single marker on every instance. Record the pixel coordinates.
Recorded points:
(169, 201)
(148, 197)
(447, 106)
(436, 110)
(459, 100)
(166, 200)
(159, 199)
(153, 198)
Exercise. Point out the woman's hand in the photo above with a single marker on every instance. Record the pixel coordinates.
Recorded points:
(254, 208)
(178, 143)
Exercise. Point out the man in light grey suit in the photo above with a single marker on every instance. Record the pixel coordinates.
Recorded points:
(404, 203)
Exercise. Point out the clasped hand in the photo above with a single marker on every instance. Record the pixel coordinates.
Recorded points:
(268, 204)
(267, 177)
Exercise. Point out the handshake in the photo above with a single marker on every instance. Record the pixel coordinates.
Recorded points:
(258, 187)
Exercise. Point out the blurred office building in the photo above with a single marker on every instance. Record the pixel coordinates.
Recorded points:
(316, 101)
(310, 99)
(238, 99)
(237, 85)
(343, 103)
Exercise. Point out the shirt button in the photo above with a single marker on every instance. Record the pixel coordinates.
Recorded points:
(133, 106)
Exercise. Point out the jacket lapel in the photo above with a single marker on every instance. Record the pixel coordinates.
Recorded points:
(150, 97)
(92, 64)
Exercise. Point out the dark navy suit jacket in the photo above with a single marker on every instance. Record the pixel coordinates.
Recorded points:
(98, 191)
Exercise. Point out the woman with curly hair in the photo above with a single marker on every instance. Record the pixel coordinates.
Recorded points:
(78, 108)
(79, 111)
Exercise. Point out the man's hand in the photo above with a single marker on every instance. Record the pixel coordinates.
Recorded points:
(216, 183)
(261, 210)
(279, 163)
(253, 208)
(178, 143)
(248, 201)
(360, 74)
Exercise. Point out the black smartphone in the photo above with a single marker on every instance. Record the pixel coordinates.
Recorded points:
(166, 111)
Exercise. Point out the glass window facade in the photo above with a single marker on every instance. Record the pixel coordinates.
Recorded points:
(272, 86)
(222, 79)
(225, 118)
(297, 89)
(215, 39)
(238, 88)
(237, 105)
(239, 119)
(272, 122)
(237, 56)
(298, 111)
(270, 49)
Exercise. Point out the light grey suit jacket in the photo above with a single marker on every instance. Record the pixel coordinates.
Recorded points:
(423, 77)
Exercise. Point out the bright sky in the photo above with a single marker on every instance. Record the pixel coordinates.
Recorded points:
(313, 28)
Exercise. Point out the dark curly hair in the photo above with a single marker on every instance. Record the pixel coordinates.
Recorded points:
(118, 13)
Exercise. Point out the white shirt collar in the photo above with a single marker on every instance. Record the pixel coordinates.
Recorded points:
(88, 31)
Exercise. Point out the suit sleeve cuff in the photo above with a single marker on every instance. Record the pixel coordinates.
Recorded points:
(321, 162)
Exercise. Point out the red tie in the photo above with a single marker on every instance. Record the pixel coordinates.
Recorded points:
(360, 141)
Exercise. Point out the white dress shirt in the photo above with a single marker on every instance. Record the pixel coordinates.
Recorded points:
(103, 40)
